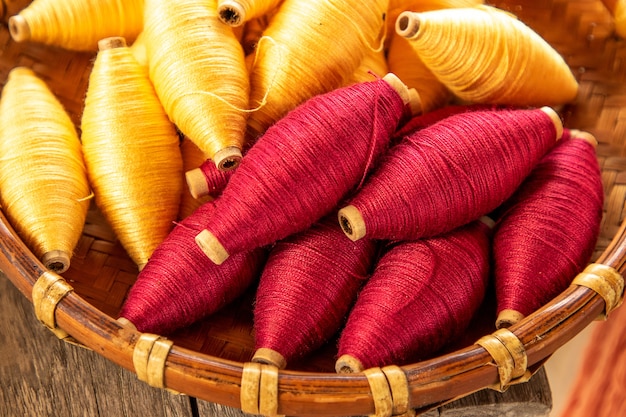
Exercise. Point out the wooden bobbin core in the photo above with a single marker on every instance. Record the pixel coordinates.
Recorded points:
(508, 317)
(408, 96)
(231, 13)
(348, 364)
(227, 158)
(556, 120)
(351, 222)
(211, 247)
(19, 28)
(127, 323)
(47, 292)
(111, 43)
(606, 281)
(269, 357)
(586, 136)
(149, 357)
(196, 183)
(56, 261)
(408, 24)
(509, 355)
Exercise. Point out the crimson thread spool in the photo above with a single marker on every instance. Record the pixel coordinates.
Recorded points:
(193, 158)
(304, 165)
(450, 173)
(123, 122)
(421, 295)
(485, 55)
(547, 230)
(44, 189)
(300, 54)
(307, 287)
(179, 285)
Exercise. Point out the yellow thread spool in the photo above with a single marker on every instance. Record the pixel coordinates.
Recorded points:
(131, 150)
(617, 8)
(310, 47)
(193, 157)
(77, 24)
(486, 55)
(199, 73)
(237, 12)
(43, 182)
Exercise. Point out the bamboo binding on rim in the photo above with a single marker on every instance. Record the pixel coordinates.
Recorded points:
(582, 30)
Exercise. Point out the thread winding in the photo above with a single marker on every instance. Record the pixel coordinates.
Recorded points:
(43, 181)
(77, 24)
(301, 168)
(307, 287)
(421, 295)
(200, 86)
(547, 230)
(514, 67)
(179, 285)
(450, 173)
(123, 121)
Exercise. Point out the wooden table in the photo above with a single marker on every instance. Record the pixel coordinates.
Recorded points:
(42, 376)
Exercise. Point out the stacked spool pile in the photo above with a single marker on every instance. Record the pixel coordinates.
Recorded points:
(256, 123)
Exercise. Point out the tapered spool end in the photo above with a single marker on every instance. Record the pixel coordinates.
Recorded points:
(556, 119)
(111, 43)
(231, 13)
(56, 260)
(506, 318)
(348, 364)
(269, 357)
(126, 323)
(211, 247)
(409, 96)
(196, 182)
(586, 136)
(408, 24)
(351, 222)
(19, 29)
(227, 158)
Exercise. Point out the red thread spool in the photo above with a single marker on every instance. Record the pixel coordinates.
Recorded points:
(421, 296)
(207, 179)
(179, 285)
(307, 287)
(302, 167)
(548, 229)
(450, 173)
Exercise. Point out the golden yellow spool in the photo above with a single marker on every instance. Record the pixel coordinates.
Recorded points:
(131, 151)
(43, 182)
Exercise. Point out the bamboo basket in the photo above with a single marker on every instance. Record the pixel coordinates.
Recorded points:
(210, 359)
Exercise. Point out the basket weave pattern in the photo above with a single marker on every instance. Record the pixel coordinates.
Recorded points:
(101, 272)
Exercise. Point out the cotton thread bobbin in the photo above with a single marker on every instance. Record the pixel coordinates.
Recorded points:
(289, 154)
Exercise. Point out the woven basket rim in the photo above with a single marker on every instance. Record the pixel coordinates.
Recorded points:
(431, 383)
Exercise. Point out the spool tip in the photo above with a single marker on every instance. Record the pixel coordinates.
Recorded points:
(506, 318)
(556, 119)
(56, 261)
(488, 221)
(21, 71)
(269, 357)
(126, 323)
(18, 28)
(111, 43)
(348, 364)
(196, 182)
(586, 136)
(408, 96)
(408, 24)
(211, 247)
(231, 13)
(227, 158)
(351, 222)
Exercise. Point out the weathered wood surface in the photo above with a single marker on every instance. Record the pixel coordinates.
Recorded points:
(42, 376)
